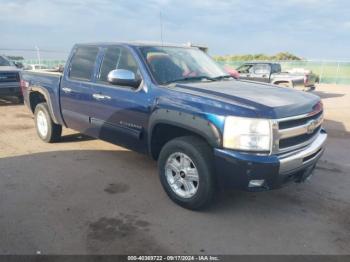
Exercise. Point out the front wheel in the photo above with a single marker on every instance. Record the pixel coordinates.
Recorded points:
(186, 172)
(46, 129)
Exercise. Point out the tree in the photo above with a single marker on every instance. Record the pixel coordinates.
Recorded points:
(260, 57)
(15, 58)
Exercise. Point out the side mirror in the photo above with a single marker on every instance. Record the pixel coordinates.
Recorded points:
(123, 77)
(18, 64)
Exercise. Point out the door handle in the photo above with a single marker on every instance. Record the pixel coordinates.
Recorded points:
(101, 97)
(66, 90)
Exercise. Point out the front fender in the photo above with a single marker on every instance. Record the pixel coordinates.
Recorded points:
(191, 122)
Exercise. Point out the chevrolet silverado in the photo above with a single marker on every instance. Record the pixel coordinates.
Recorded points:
(207, 130)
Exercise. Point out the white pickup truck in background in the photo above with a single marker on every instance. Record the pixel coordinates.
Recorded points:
(298, 78)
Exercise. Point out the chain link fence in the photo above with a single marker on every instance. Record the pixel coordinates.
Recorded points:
(329, 72)
(50, 63)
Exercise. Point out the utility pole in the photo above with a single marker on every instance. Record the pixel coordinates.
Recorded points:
(161, 26)
(38, 54)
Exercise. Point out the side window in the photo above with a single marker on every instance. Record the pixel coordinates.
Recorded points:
(278, 68)
(117, 58)
(275, 68)
(245, 69)
(83, 61)
(262, 69)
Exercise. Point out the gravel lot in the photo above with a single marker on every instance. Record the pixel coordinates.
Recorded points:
(83, 196)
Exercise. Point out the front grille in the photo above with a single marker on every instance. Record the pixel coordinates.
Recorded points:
(9, 77)
(292, 141)
(298, 122)
(296, 132)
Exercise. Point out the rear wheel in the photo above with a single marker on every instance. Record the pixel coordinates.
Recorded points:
(186, 172)
(46, 129)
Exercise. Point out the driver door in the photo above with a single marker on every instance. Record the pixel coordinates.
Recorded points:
(120, 113)
(261, 73)
(245, 71)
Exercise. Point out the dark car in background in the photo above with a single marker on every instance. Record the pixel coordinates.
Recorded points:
(272, 73)
(9, 79)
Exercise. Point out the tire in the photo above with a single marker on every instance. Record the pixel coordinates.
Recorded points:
(197, 156)
(46, 129)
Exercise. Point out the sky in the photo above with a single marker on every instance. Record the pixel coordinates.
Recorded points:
(313, 29)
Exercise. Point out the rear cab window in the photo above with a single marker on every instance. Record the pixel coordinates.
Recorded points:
(83, 63)
(276, 68)
(5, 62)
(245, 69)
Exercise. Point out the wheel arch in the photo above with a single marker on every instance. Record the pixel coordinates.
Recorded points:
(280, 81)
(166, 124)
(40, 95)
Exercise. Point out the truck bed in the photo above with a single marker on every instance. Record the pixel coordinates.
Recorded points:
(49, 84)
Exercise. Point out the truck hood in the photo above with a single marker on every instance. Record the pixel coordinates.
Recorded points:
(266, 100)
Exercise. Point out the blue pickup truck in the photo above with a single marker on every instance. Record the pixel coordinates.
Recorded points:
(207, 130)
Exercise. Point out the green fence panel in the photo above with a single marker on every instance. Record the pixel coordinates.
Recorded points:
(49, 63)
(330, 72)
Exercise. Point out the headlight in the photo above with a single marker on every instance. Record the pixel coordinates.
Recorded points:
(249, 134)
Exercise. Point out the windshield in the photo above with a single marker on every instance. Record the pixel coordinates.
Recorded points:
(4, 62)
(171, 64)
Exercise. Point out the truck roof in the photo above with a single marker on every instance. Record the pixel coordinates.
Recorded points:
(262, 62)
(138, 44)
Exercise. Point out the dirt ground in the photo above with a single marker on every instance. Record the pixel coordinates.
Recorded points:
(83, 196)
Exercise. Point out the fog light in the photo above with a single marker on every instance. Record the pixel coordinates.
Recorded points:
(256, 183)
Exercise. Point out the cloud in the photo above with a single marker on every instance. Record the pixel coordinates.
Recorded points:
(299, 26)
(347, 24)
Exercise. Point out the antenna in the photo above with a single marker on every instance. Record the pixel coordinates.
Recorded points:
(161, 26)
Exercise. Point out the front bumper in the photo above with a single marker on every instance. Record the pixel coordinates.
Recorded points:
(235, 169)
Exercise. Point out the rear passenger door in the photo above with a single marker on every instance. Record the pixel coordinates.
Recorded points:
(120, 114)
(77, 88)
(261, 73)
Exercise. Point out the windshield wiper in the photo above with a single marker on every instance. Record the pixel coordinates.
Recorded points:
(189, 79)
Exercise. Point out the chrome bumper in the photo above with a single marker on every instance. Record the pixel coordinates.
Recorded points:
(305, 157)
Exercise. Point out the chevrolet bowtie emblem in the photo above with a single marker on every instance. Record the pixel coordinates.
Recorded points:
(311, 126)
